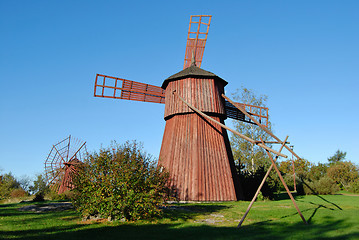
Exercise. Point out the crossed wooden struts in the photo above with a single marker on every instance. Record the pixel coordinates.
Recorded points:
(259, 143)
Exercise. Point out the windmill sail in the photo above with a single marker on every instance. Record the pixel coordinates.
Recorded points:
(196, 39)
(63, 162)
(119, 88)
(259, 113)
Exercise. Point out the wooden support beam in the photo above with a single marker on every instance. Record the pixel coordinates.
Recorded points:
(260, 187)
(273, 142)
(285, 185)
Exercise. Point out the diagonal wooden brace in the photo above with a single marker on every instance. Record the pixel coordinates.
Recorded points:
(260, 187)
(260, 125)
(285, 185)
(233, 131)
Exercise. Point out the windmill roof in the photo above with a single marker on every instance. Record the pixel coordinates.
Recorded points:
(192, 71)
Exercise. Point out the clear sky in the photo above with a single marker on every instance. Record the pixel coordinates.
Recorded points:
(304, 55)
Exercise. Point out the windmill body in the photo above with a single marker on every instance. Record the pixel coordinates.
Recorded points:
(194, 151)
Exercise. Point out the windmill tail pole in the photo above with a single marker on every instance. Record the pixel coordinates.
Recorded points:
(285, 185)
(260, 186)
(229, 129)
(260, 125)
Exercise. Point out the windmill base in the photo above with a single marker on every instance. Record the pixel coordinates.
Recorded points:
(198, 157)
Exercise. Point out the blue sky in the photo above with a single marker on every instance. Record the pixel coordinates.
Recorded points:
(304, 55)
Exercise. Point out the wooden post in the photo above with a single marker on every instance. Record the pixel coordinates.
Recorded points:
(285, 185)
(260, 187)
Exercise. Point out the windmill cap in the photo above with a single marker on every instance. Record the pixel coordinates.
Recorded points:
(192, 71)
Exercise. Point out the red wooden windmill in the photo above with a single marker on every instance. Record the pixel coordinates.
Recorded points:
(63, 162)
(194, 150)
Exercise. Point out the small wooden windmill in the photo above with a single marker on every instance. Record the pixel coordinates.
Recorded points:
(195, 149)
(63, 162)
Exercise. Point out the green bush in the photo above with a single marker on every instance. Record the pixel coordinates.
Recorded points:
(354, 187)
(39, 185)
(250, 181)
(39, 197)
(120, 182)
(8, 184)
(65, 196)
(324, 185)
(289, 180)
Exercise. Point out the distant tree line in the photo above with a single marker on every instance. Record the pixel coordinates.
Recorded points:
(11, 187)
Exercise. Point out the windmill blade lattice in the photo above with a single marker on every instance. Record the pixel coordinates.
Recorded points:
(63, 162)
(196, 39)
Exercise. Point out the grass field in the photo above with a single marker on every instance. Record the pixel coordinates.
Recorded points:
(329, 217)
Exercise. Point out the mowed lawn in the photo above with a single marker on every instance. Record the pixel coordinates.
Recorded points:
(329, 217)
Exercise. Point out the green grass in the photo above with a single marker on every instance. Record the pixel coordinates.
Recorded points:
(329, 217)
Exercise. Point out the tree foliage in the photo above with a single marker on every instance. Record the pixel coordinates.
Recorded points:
(301, 167)
(338, 156)
(8, 183)
(324, 186)
(39, 188)
(318, 171)
(249, 156)
(120, 182)
(343, 173)
(39, 185)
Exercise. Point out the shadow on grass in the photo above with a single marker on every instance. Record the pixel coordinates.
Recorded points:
(269, 230)
(316, 194)
(329, 228)
(190, 211)
(284, 196)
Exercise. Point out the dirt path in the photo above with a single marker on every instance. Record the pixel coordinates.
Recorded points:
(47, 207)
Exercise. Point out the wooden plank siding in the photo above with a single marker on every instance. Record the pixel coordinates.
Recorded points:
(201, 92)
(195, 152)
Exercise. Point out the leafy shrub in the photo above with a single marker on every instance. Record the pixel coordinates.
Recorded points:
(65, 196)
(317, 171)
(324, 185)
(354, 187)
(18, 192)
(289, 180)
(39, 197)
(7, 184)
(120, 182)
(39, 185)
(250, 181)
(344, 173)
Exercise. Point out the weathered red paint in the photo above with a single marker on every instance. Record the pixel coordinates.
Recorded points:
(195, 152)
